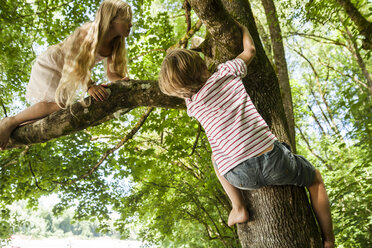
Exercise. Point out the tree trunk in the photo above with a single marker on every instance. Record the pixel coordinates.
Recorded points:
(124, 96)
(363, 25)
(281, 65)
(279, 216)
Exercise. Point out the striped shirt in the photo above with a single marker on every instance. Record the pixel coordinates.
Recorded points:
(235, 130)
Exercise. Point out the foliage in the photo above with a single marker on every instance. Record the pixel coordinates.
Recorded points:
(162, 188)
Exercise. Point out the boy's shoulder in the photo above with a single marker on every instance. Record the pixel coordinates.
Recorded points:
(236, 67)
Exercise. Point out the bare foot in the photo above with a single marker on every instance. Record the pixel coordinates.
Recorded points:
(7, 125)
(238, 215)
(329, 244)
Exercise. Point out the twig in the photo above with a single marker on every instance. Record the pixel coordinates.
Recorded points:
(4, 109)
(15, 161)
(129, 136)
(36, 182)
(186, 6)
(187, 36)
(196, 140)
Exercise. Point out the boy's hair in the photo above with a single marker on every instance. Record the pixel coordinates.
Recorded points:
(182, 73)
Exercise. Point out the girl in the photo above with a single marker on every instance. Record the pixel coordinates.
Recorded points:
(63, 68)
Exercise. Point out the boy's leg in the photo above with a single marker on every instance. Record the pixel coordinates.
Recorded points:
(239, 213)
(38, 110)
(320, 203)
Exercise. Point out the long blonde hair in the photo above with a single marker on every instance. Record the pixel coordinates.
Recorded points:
(82, 47)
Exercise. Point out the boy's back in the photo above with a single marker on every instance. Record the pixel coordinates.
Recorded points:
(234, 128)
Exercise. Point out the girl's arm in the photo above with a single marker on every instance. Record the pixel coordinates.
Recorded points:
(112, 76)
(249, 49)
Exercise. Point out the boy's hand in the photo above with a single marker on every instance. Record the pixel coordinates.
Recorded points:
(98, 92)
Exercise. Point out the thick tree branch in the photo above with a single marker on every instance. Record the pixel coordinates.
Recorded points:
(125, 95)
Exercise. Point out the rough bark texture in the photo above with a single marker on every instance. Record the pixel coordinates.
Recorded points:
(281, 65)
(364, 26)
(125, 95)
(280, 216)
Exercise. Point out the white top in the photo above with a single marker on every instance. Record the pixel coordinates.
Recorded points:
(45, 75)
(235, 130)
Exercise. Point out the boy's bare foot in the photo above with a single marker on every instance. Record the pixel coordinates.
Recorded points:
(7, 125)
(329, 244)
(238, 215)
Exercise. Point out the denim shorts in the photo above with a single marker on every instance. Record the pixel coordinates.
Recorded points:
(276, 167)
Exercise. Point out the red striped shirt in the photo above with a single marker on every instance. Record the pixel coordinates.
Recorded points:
(235, 130)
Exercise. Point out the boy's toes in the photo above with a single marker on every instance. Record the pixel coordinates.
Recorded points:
(237, 216)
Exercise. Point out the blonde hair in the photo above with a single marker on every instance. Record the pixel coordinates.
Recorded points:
(82, 47)
(182, 73)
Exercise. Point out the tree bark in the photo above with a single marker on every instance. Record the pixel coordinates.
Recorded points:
(281, 65)
(364, 26)
(279, 216)
(124, 96)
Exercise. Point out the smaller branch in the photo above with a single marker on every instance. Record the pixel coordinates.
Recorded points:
(317, 120)
(312, 151)
(105, 137)
(322, 94)
(4, 109)
(187, 36)
(316, 38)
(113, 149)
(36, 182)
(15, 161)
(176, 16)
(344, 75)
(186, 6)
(196, 140)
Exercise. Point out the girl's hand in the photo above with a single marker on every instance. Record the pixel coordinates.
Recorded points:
(125, 78)
(98, 92)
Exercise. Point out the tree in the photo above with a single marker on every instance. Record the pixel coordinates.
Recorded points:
(222, 42)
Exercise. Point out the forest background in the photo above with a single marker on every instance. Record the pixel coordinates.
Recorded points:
(160, 184)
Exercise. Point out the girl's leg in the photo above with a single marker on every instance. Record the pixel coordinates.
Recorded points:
(239, 213)
(36, 111)
(320, 203)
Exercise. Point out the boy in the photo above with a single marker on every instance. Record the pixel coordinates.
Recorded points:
(247, 154)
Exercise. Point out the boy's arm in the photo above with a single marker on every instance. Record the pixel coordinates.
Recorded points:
(249, 49)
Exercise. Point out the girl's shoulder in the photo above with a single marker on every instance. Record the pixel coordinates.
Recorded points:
(78, 35)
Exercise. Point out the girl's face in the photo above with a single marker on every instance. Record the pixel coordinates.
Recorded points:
(122, 26)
